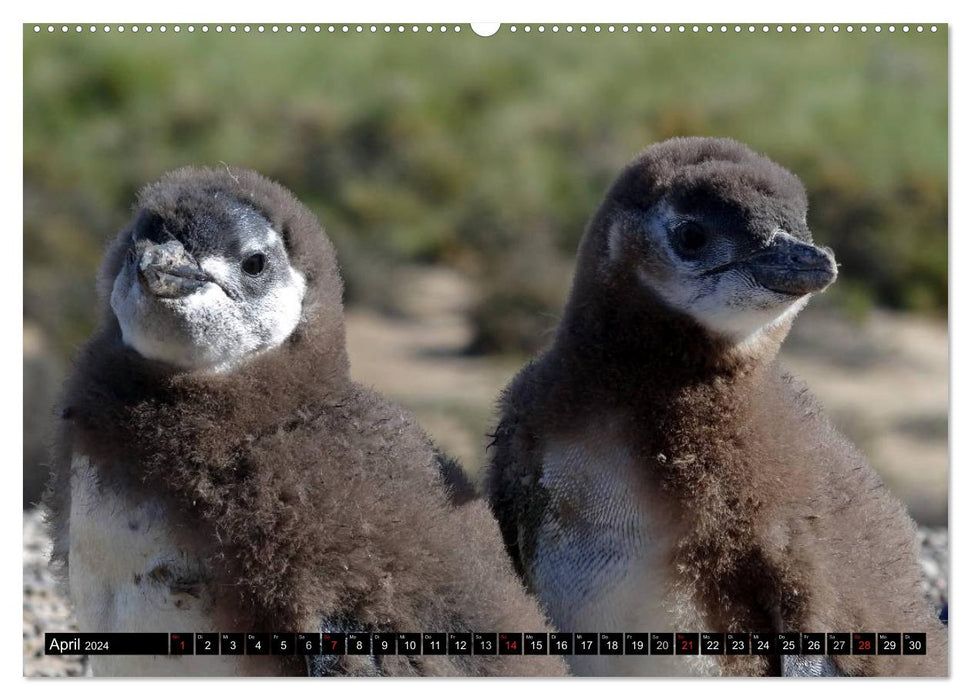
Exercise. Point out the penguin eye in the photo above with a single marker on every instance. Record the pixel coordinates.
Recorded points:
(689, 239)
(254, 264)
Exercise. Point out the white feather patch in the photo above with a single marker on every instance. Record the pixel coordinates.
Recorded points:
(117, 548)
(208, 330)
(603, 560)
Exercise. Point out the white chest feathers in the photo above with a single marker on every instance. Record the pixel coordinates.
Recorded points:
(127, 574)
(603, 558)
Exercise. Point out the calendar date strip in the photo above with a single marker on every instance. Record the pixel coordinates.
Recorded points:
(485, 643)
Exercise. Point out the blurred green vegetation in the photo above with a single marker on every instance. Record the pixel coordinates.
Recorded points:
(487, 154)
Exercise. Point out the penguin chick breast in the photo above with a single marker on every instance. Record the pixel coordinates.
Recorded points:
(128, 571)
(607, 543)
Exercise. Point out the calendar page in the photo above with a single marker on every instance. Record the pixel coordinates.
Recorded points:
(521, 349)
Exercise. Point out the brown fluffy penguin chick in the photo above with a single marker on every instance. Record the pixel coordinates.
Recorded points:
(655, 470)
(218, 471)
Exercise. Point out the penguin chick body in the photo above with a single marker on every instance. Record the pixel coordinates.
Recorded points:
(656, 470)
(216, 469)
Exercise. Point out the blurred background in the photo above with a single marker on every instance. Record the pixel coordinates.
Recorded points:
(455, 175)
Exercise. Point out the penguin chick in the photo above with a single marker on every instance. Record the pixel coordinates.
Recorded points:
(656, 470)
(217, 469)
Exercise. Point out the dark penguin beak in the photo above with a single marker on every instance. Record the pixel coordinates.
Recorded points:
(167, 270)
(790, 266)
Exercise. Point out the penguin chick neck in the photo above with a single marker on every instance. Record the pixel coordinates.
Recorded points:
(634, 342)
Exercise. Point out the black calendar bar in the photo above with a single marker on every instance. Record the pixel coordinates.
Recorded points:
(359, 643)
(233, 643)
(511, 643)
(686, 643)
(434, 643)
(561, 642)
(813, 643)
(536, 643)
(712, 643)
(333, 643)
(207, 643)
(105, 643)
(308, 643)
(763, 643)
(888, 643)
(282, 643)
(585, 643)
(864, 643)
(182, 644)
(384, 643)
(788, 643)
(484, 643)
(459, 643)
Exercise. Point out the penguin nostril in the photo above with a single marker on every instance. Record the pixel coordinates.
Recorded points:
(806, 256)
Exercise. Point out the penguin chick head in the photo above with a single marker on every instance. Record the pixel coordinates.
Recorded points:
(202, 280)
(716, 232)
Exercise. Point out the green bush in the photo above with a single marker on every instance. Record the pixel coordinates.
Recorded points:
(486, 154)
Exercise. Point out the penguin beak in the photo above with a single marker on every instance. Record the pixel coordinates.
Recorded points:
(790, 266)
(167, 270)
